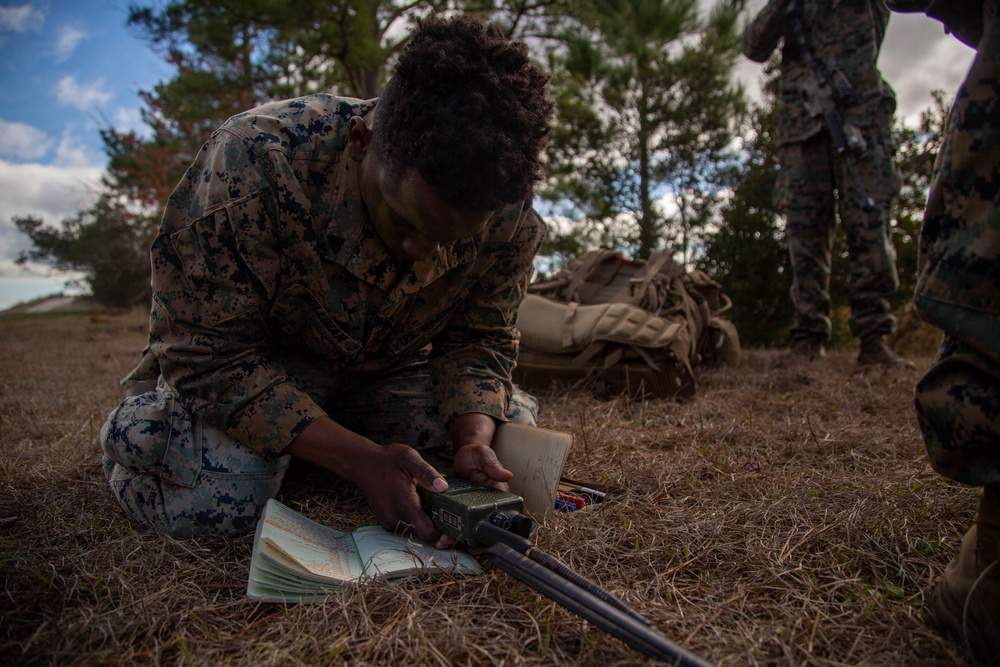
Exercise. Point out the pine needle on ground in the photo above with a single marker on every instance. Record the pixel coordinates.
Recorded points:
(783, 517)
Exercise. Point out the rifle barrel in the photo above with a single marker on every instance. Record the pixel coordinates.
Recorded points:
(639, 635)
(490, 534)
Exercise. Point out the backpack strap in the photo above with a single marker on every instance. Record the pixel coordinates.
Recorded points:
(567, 337)
(582, 273)
(644, 289)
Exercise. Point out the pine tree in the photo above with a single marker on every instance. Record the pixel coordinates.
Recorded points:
(748, 254)
(646, 112)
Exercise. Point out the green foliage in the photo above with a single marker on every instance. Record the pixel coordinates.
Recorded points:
(640, 157)
(107, 242)
(748, 254)
(273, 49)
(645, 110)
(221, 53)
(145, 171)
(917, 149)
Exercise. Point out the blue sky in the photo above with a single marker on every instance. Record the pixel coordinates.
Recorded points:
(70, 67)
(67, 68)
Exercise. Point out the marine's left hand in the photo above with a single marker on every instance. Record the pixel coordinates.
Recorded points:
(475, 460)
(479, 465)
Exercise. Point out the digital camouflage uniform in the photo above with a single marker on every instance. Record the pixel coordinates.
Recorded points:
(275, 303)
(845, 36)
(958, 399)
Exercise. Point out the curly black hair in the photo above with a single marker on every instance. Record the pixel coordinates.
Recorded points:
(469, 109)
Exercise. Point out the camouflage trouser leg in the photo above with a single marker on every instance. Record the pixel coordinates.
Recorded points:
(811, 175)
(403, 408)
(173, 474)
(868, 234)
(958, 407)
(810, 221)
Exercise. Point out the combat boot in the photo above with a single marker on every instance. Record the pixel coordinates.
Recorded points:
(966, 603)
(874, 352)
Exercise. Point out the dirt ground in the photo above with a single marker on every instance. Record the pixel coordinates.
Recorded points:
(785, 516)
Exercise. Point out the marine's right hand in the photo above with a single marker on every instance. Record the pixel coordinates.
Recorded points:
(388, 475)
(389, 481)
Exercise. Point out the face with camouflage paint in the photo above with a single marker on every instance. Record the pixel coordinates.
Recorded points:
(410, 218)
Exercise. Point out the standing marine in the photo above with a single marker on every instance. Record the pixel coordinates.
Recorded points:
(828, 55)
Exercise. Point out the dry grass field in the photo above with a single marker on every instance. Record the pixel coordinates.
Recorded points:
(783, 517)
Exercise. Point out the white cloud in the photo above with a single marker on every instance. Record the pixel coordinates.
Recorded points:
(71, 152)
(23, 142)
(917, 58)
(129, 119)
(21, 18)
(49, 192)
(67, 40)
(71, 93)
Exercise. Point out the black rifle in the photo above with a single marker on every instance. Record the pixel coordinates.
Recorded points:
(824, 97)
(487, 517)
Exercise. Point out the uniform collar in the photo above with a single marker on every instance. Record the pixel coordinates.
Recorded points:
(359, 249)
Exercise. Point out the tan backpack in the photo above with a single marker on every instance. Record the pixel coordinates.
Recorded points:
(638, 327)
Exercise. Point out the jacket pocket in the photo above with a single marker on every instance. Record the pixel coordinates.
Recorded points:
(416, 332)
(300, 318)
(182, 458)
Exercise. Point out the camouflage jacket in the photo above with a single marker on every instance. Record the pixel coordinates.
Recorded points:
(846, 36)
(272, 292)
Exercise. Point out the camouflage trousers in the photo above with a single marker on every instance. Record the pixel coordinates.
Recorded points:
(176, 475)
(958, 400)
(811, 175)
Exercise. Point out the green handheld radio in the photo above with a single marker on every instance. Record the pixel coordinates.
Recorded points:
(457, 511)
(491, 518)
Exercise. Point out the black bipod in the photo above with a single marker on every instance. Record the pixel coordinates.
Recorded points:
(518, 557)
